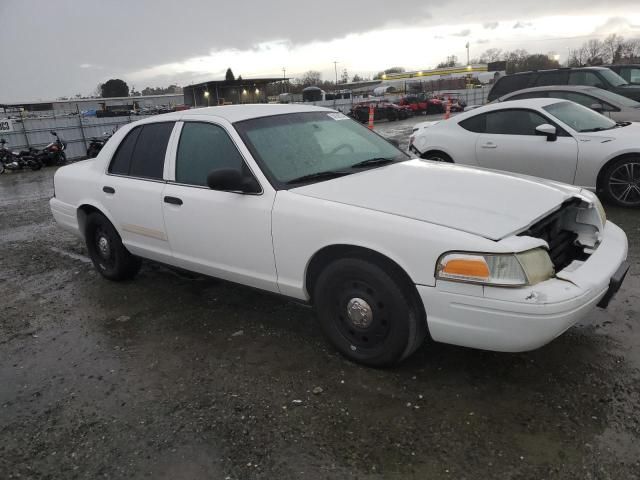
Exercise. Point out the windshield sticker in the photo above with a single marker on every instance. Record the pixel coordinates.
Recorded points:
(338, 116)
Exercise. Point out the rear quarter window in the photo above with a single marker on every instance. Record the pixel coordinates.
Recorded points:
(509, 84)
(121, 161)
(476, 124)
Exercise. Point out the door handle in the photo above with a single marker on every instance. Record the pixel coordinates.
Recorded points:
(107, 189)
(173, 200)
(489, 145)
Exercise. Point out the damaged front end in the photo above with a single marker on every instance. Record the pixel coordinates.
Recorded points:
(572, 232)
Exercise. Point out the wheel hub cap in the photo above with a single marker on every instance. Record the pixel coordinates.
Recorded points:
(359, 312)
(103, 247)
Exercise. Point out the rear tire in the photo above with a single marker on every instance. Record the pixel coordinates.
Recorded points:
(110, 257)
(621, 182)
(367, 313)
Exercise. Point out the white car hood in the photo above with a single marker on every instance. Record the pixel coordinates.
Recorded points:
(479, 201)
(628, 134)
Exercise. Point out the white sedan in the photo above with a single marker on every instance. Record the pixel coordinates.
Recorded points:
(547, 138)
(306, 203)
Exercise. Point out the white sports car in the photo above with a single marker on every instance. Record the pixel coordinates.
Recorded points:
(304, 202)
(547, 138)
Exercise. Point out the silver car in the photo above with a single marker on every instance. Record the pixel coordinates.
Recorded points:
(612, 105)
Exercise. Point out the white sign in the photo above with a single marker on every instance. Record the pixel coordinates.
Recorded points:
(6, 125)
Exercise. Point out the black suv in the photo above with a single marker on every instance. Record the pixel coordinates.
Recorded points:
(591, 76)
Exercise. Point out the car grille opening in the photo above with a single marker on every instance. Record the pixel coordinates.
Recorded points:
(563, 246)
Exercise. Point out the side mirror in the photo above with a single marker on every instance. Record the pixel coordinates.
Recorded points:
(232, 180)
(394, 142)
(52, 132)
(598, 107)
(548, 131)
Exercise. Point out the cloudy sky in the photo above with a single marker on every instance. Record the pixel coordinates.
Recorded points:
(53, 48)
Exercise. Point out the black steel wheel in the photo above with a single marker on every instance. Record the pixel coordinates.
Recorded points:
(366, 313)
(108, 254)
(621, 182)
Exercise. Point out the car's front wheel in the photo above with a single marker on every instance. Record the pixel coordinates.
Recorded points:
(437, 157)
(108, 254)
(368, 313)
(621, 182)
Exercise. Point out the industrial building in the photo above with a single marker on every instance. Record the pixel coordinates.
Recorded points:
(89, 105)
(222, 92)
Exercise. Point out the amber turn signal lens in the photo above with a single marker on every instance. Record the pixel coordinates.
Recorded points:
(467, 268)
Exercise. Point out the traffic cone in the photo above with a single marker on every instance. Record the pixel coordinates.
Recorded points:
(447, 111)
(371, 116)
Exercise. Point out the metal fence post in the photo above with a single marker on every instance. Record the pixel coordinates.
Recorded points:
(24, 130)
(84, 139)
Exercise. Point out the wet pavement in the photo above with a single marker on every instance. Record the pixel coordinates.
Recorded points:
(176, 376)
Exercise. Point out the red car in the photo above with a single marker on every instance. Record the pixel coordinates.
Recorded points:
(383, 110)
(422, 103)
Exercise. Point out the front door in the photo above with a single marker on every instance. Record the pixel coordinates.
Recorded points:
(218, 233)
(509, 142)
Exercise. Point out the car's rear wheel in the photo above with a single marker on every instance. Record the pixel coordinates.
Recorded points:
(437, 157)
(621, 182)
(367, 313)
(108, 254)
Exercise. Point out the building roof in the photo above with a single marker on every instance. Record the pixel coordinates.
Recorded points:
(237, 83)
(93, 99)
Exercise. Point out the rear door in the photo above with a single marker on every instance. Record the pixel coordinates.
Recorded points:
(132, 190)
(508, 141)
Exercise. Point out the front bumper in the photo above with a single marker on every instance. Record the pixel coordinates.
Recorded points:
(521, 319)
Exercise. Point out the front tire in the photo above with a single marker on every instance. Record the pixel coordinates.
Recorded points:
(367, 313)
(437, 157)
(110, 257)
(621, 182)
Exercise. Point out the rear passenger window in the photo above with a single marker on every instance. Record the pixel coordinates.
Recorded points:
(559, 77)
(148, 156)
(523, 96)
(475, 124)
(585, 78)
(121, 162)
(509, 84)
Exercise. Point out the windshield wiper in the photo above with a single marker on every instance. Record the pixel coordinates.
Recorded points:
(373, 161)
(596, 129)
(318, 176)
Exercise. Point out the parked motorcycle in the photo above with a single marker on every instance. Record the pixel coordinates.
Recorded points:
(96, 144)
(12, 160)
(52, 154)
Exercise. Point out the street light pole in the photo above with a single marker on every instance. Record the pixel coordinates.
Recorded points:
(335, 67)
(284, 79)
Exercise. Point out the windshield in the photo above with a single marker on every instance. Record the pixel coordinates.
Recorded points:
(613, 78)
(616, 99)
(296, 145)
(580, 118)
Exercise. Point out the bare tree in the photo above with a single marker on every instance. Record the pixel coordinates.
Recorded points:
(312, 77)
(612, 46)
(594, 50)
(630, 51)
(491, 55)
(577, 57)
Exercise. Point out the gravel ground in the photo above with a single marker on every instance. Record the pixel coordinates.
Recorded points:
(175, 376)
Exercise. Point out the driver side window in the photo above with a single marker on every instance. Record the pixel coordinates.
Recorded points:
(204, 147)
(513, 122)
